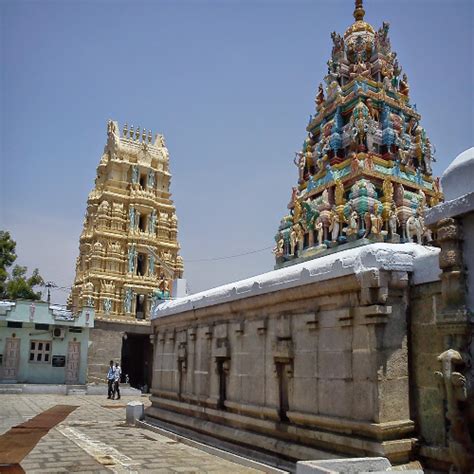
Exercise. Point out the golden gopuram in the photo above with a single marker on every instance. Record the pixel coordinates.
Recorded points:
(128, 250)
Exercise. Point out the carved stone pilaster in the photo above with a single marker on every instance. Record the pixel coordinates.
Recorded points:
(453, 385)
(455, 323)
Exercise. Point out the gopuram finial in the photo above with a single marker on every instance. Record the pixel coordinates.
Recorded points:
(359, 11)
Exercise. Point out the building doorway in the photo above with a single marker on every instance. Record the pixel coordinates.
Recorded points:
(137, 358)
(284, 405)
(73, 362)
(11, 359)
(222, 374)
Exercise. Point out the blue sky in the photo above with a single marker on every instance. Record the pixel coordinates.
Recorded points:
(229, 83)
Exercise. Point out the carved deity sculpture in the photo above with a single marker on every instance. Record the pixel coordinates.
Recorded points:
(334, 226)
(393, 222)
(325, 197)
(131, 258)
(152, 222)
(299, 237)
(320, 231)
(297, 210)
(135, 173)
(127, 302)
(293, 240)
(151, 265)
(387, 188)
(300, 162)
(319, 96)
(373, 112)
(151, 179)
(107, 305)
(359, 122)
(428, 156)
(131, 218)
(376, 224)
(339, 193)
(104, 207)
(454, 389)
(280, 246)
(338, 44)
(353, 223)
(403, 86)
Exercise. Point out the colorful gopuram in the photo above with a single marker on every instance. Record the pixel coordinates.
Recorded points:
(128, 252)
(365, 170)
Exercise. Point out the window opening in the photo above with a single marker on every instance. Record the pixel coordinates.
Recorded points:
(40, 351)
(141, 301)
(142, 222)
(40, 326)
(141, 264)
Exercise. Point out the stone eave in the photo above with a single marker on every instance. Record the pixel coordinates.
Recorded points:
(456, 207)
(379, 256)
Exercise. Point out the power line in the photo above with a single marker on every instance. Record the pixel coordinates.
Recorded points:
(228, 256)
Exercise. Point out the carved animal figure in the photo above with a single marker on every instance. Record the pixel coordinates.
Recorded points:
(414, 226)
(374, 113)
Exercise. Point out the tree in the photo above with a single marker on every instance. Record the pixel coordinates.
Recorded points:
(7, 257)
(21, 287)
(18, 284)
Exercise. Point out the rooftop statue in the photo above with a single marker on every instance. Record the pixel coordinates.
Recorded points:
(364, 171)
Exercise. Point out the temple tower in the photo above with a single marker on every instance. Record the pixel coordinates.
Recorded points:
(128, 251)
(365, 166)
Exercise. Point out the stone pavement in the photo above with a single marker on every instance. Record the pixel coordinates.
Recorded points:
(94, 438)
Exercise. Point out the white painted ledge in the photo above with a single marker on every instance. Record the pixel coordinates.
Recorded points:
(420, 260)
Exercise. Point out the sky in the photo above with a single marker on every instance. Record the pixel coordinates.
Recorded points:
(230, 84)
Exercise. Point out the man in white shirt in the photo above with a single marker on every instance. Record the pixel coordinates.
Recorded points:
(117, 377)
(110, 380)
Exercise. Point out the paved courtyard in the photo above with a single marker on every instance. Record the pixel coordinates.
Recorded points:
(94, 438)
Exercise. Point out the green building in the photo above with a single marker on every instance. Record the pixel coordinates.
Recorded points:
(43, 344)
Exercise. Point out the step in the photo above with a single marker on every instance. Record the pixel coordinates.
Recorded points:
(12, 390)
(77, 391)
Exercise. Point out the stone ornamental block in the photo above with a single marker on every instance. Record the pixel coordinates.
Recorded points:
(134, 412)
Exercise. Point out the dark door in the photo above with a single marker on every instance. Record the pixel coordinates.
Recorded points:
(283, 390)
(137, 356)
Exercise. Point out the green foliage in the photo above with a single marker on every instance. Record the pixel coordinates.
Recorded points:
(18, 285)
(7, 257)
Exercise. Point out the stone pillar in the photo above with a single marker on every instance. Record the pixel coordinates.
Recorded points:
(456, 326)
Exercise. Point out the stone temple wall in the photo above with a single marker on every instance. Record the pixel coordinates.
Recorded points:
(426, 345)
(310, 362)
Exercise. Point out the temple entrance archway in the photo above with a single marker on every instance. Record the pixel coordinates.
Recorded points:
(137, 359)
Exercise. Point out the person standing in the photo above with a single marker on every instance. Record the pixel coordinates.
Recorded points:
(110, 380)
(117, 377)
